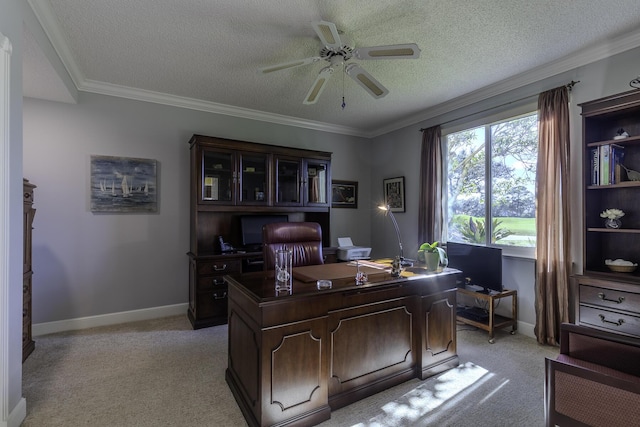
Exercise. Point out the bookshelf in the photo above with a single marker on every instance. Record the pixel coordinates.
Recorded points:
(602, 120)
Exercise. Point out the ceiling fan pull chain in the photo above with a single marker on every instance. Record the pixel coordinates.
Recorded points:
(344, 104)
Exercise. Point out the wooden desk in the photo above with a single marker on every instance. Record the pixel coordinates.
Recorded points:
(294, 358)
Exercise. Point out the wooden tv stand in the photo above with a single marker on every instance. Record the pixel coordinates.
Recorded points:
(493, 321)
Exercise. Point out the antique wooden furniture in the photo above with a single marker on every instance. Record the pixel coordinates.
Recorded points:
(607, 299)
(294, 358)
(594, 381)
(230, 179)
(28, 345)
(493, 321)
(304, 239)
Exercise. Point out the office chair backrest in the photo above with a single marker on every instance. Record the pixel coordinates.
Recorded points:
(304, 239)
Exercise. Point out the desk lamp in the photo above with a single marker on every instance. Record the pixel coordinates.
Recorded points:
(387, 211)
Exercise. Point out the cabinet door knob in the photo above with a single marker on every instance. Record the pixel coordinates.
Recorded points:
(603, 297)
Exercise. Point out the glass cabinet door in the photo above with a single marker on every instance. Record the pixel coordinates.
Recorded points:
(317, 180)
(288, 182)
(254, 179)
(217, 176)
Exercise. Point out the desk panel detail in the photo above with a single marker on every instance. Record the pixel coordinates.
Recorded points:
(294, 358)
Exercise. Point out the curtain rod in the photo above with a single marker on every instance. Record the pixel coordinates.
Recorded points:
(569, 86)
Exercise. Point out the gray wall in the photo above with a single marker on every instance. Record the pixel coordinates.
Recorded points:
(88, 264)
(397, 154)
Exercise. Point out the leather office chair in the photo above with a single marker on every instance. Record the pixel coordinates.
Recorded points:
(304, 239)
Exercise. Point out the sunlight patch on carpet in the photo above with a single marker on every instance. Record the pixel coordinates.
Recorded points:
(446, 389)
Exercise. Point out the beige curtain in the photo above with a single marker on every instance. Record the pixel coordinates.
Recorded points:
(552, 216)
(430, 211)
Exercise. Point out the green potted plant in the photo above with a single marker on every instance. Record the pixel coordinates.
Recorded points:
(433, 256)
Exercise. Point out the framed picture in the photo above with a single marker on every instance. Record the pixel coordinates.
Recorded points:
(123, 184)
(344, 194)
(394, 193)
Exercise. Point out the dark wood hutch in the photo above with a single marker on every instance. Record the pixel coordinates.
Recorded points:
(232, 178)
(606, 299)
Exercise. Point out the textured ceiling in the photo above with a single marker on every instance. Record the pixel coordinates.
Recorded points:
(205, 54)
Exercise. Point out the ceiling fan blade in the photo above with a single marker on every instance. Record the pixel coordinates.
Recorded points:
(396, 51)
(366, 80)
(290, 64)
(328, 33)
(318, 86)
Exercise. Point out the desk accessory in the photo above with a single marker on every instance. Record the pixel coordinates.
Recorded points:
(404, 262)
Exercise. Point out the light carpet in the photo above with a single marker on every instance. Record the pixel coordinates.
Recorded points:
(163, 373)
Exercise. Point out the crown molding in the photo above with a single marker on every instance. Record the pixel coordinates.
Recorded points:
(212, 107)
(578, 59)
(615, 45)
(51, 27)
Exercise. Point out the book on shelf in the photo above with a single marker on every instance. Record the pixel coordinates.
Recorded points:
(606, 161)
(595, 166)
(605, 151)
(617, 157)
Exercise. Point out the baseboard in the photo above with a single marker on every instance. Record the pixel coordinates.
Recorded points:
(526, 329)
(17, 415)
(109, 319)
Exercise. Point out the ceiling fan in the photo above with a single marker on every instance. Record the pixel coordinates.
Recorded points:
(338, 54)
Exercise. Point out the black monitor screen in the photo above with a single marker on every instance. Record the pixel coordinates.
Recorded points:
(251, 227)
(480, 265)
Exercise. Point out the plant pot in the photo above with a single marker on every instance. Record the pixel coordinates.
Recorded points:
(432, 260)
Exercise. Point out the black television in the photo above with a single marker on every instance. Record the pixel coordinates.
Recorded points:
(251, 229)
(481, 266)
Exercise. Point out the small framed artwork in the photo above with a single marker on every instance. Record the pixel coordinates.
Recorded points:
(123, 184)
(394, 193)
(344, 194)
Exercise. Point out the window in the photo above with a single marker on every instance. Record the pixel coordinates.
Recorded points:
(491, 175)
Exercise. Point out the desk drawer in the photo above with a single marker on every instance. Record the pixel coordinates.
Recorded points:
(610, 299)
(207, 283)
(610, 320)
(220, 267)
(212, 304)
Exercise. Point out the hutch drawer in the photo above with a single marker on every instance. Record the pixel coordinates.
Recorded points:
(608, 304)
(213, 304)
(611, 299)
(208, 283)
(613, 321)
(219, 267)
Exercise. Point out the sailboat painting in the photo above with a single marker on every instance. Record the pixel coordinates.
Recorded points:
(123, 184)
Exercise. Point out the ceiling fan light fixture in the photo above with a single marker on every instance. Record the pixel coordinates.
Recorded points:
(338, 54)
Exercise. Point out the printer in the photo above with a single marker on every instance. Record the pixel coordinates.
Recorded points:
(348, 252)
